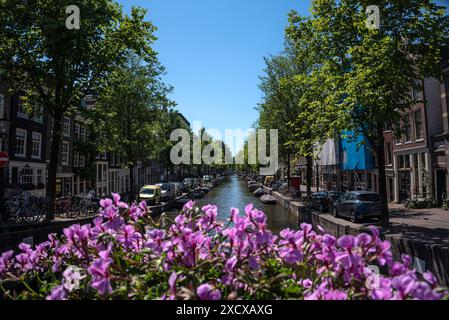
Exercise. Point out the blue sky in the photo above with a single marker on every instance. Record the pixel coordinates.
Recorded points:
(213, 51)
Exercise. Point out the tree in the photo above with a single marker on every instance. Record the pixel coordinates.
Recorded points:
(55, 65)
(129, 112)
(287, 105)
(372, 69)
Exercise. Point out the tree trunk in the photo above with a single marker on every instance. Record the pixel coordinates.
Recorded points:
(288, 172)
(380, 153)
(131, 183)
(53, 165)
(309, 174)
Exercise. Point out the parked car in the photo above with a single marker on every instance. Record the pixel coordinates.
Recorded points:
(151, 194)
(189, 183)
(320, 201)
(207, 178)
(167, 191)
(358, 205)
(333, 196)
(179, 188)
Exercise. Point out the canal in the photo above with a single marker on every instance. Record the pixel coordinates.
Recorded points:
(232, 192)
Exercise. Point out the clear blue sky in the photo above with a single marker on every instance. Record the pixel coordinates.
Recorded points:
(213, 51)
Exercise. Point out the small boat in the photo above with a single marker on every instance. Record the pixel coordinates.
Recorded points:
(198, 194)
(253, 187)
(259, 192)
(268, 199)
(205, 189)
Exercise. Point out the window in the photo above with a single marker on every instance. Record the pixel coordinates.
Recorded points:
(66, 127)
(82, 160)
(401, 162)
(38, 114)
(21, 112)
(416, 91)
(65, 153)
(76, 159)
(21, 139)
(407, 131)
(77, 131)
(407, 161)
(419, 132)
(26, 175)
(39, 176)
(2, 106)
(36, 145)
(389, 154)
(83, 133)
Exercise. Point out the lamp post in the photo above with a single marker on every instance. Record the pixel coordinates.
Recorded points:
(318, 174)
(4, 129)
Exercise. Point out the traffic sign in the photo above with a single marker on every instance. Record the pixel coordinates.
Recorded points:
(4, 159)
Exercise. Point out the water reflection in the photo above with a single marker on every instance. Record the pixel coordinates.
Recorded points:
(233, 193)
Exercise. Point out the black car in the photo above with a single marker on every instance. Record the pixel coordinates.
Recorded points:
(333, 196)
(358, 205)
(320, 201)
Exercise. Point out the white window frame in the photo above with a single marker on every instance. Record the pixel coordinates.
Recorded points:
(19, 107)
(66, 126)
(2, 106)
(40, 145)
(77, 130)
(82, 161)
(67, 158)
(40, 117)
(76, 159)
(22, 155)
(83, 133)
(29, 175)
(39, 173)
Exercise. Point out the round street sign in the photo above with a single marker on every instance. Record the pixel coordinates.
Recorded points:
(4, 159)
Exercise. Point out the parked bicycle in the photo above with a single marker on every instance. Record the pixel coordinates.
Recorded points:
(25, 208)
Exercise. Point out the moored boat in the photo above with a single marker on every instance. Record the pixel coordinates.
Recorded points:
(259, 192)
(268, 199)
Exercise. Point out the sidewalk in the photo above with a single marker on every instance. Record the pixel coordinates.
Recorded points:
(428, 225)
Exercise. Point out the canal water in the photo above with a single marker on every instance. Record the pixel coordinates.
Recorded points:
(233, 192)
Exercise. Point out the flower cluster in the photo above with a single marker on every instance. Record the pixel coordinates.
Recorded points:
(125, 254)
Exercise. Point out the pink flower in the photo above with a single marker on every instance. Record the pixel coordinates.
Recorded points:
(58, 293)
(207, 292)
(100, 272)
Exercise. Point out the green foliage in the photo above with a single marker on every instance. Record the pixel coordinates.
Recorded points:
(130, 111)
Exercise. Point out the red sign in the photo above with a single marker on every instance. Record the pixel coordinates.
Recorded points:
(4, 159)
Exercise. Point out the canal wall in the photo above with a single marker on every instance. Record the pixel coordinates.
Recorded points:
(427, 254)
(12, 235)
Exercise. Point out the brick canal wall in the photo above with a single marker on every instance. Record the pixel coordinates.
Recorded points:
(427, 254)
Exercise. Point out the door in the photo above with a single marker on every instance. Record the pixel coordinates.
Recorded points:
(404, 185)
(441, 185)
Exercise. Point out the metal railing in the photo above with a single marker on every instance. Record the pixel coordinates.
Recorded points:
(25, 208)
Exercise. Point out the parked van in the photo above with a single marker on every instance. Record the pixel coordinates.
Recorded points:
(151, 194)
